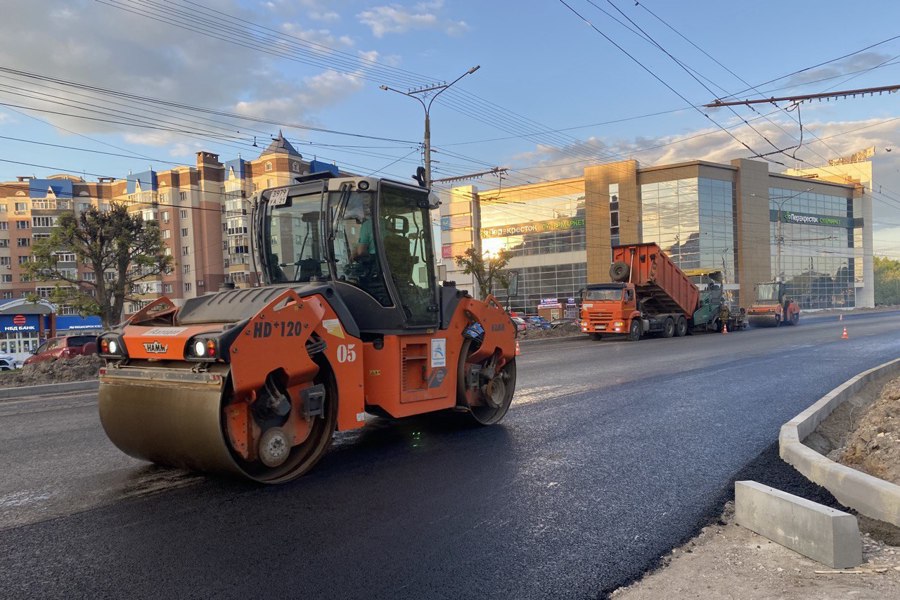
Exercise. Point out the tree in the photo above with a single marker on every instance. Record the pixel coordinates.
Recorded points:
(887, 281)
(488, 271)
(111, 241)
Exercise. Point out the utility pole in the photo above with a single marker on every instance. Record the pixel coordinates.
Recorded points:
(427, 93)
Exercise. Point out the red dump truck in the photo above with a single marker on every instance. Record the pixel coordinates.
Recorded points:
(650, 294)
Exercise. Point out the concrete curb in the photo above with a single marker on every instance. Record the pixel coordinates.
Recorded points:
(49, 389)
(555, 340)
(869, 495)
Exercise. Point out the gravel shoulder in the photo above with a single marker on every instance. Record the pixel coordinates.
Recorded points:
(726, 560)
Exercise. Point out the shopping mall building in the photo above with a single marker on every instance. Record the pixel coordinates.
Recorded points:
(811, 228)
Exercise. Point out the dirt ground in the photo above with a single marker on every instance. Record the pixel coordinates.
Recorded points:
(78, 368)
(728, 561)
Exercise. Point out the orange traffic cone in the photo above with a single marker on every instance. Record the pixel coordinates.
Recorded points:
(519, 351)
(844, 335)
(724, 328)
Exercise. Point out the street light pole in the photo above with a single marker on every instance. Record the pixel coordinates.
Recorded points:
(437, 89)
(780, 234)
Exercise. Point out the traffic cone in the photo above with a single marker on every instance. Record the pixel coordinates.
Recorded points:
(519, 351)
(724, 328)
(844, 335)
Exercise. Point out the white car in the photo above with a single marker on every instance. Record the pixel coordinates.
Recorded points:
(7, 363)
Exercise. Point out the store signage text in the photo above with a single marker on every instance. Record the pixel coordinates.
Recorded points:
(535, 227)
(804, 219)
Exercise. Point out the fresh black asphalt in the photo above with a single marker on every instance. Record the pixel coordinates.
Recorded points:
(613, 453)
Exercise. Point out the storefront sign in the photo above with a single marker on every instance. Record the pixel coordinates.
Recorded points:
(16, 323)
(807, 219)
(535, 227)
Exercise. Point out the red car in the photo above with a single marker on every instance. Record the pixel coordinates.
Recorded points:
(63, 347)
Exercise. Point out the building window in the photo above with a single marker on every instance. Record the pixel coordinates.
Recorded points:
(184, 232)
(23, 260)
(44, 221)
(88, 276)
(185, 250)
(7, 295)
(268, 166)
(184, 213)
(182, 196)
(186, 268)
(21, 206)
(4, 243)
(167, 288)
(23, 242)
(168, 252)
(65, 257)
(166, 234)
(22, 225)
(2, 208)
(165, 216)
(187, 287)
(295, 167)
(4, 225)
(4, 261)
(6, 278)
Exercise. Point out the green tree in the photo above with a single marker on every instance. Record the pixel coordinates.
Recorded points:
(111, 241)
(488, 271)
(887, 281)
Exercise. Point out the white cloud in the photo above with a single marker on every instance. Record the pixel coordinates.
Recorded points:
(99, 45)
(850, 65)
(394, 18)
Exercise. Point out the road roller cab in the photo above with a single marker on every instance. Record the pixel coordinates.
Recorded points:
(351, 321)
(773, 306)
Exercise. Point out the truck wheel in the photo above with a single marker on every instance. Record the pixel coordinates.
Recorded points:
(681, 327)
(619, 271)
(669, 328)
(795, 318)
(634, 332)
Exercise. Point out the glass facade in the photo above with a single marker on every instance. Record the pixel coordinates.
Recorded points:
(816, 247)
(692, 220)
(546, 237)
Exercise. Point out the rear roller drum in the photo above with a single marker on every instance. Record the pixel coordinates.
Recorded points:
(486, 391)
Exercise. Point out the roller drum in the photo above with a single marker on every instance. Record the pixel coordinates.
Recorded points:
(177, 422)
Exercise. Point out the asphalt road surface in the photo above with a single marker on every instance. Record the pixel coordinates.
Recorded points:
(612, 453)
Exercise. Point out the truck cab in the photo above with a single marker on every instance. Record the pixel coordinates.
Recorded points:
(609, 308)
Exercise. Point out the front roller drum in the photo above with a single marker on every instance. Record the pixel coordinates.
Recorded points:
(177, 419)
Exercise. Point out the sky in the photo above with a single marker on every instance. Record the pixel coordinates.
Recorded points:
(108, 87)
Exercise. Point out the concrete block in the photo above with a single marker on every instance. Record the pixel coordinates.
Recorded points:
(824, 534)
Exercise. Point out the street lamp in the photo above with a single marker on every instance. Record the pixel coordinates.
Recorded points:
(438, 89)
(779, 236)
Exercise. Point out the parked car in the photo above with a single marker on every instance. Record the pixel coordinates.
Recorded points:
(7, 363)
(63, 347)
(521, 325)
(538, 322)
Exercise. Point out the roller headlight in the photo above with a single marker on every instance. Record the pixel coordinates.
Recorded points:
(113, 347)
(199, 348)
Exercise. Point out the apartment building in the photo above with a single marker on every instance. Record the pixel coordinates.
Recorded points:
(203, 212)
